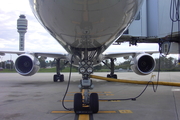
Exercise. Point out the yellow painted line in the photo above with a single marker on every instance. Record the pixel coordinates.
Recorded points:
(125, 111)
(83, 93)
(61, 112)
(83, 117)
(85, 105)
(72, 112)
(107, 112)
(70, 95)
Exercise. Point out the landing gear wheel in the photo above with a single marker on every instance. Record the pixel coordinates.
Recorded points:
(58, 77)
(94, 102)
(114, 76)
(77, 102)
(55, 78)
(108, 76)
(61, 78)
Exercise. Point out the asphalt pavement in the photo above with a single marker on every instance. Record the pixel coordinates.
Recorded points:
(39, 98)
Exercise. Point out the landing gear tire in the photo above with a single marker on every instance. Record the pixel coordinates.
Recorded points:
(77, 102)
(61, 77)
(58, 77)
(108, 76)
(94, 102)
(55, 78)
(112, 76)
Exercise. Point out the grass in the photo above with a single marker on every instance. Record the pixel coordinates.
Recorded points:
(7, 71)
(54, 70)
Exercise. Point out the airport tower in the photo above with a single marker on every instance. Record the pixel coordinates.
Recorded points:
(21, 28)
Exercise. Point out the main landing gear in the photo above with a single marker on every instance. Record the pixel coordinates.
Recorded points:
(58, 77)
(111, 75)
(86, 102)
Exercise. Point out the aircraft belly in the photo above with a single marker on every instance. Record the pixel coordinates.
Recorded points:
(85, 23)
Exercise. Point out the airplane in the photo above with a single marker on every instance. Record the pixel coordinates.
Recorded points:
(85, 29)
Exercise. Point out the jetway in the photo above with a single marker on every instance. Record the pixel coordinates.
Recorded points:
(157, 22)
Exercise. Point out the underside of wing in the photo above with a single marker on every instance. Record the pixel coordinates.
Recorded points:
(126, 54)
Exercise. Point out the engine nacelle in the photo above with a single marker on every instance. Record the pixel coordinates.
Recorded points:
(143, 64)
(27, 65)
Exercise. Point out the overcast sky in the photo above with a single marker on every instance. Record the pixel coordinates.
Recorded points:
(37, 38)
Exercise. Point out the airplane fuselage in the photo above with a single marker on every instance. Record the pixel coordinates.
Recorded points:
(85, 28)
(86, 25)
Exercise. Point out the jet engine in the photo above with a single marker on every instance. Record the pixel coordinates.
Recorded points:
(143, 64)
(27, 65)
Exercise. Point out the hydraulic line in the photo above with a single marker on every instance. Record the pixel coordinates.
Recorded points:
(135, 81)
(69, 109)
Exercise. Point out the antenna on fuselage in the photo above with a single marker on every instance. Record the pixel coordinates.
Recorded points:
(22, 27)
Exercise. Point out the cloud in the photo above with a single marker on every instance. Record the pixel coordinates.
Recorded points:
(17, 6)
(37, 38)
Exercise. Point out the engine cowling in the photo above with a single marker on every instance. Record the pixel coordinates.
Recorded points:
(143, 64)
(27, 65)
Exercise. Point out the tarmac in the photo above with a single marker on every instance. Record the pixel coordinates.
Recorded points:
(39, 98)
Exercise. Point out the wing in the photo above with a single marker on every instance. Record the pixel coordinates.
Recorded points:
(125, 54)
(43, 54)
(52, 55)
(12, 52)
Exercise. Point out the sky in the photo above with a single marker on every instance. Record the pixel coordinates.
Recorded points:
(37, 39)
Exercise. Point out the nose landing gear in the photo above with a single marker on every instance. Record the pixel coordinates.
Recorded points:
(80, 107)
(86, 102)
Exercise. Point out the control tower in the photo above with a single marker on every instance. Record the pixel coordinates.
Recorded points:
(21, 28)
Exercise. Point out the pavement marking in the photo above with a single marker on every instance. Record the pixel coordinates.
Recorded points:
(83, 117)
(107, 112)
(72, 112)
(125, 111)
(175, 90)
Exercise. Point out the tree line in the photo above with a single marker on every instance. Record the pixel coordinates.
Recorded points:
(162, 63)
(165, 64)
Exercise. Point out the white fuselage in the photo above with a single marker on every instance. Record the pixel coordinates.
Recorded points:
(91, 25)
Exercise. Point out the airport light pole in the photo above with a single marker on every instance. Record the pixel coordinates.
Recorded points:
(22, 27)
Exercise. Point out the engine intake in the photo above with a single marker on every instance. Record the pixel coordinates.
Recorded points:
(143, 64)
(27, 65)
